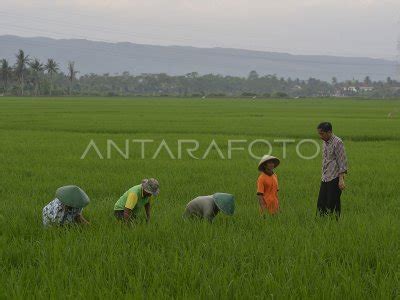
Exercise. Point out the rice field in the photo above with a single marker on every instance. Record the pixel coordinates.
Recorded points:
(290, 255)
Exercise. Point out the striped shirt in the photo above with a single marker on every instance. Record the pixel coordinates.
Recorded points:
(334, 160)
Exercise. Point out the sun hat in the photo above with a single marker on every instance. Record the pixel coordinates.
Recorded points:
(225, 202)
(73, 196)
(266, 158)
(151, 186)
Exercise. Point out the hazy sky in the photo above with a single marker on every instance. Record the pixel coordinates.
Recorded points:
(335, 27)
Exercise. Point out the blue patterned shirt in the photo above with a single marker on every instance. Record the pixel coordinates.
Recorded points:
(55, 213)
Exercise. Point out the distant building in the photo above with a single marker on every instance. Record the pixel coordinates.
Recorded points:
(366, 88)
(352, 89)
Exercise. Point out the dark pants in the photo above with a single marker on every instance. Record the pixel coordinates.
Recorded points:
(329, 198)
(119, 214)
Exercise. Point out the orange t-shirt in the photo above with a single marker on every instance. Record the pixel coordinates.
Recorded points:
(268, 187)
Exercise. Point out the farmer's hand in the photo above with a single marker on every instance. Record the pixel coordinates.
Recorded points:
(342, 186)
(262, 204)
(262, 208)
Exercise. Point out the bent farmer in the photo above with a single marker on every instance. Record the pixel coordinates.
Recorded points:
(207, 207)
(67, 207)
(334, 166)
(134, 199)
(267, 185)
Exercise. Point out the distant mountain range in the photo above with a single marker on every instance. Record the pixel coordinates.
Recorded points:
(101, 57)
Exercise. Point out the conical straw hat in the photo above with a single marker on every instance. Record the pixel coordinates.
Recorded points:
(225, 202)
(72, 196)
(266, 158)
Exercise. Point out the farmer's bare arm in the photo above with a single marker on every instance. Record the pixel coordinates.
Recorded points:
(342, 185)
(81, 220)
(127, 213)
(130, 205)
(342, 163)
(260, 193)
(147, 207)
(261, 200)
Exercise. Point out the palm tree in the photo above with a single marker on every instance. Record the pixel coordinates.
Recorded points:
(52, 68)
(5, 73)
(20, 68)
(71, 74)
(37, 68)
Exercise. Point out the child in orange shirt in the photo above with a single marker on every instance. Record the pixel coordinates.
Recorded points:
(267, 185)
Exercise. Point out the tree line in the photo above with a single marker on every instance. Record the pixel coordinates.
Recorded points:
(31, 77)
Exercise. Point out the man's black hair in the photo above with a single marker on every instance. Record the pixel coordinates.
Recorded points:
(325, 126)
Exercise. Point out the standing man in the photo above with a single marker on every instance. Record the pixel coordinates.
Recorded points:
(334, 166)
(134, 199)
